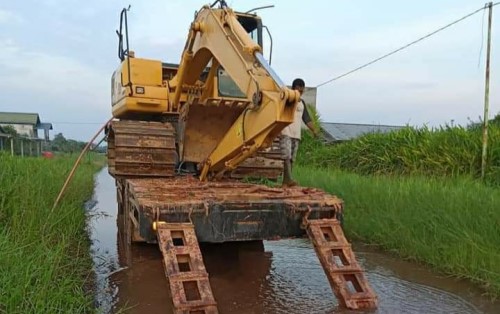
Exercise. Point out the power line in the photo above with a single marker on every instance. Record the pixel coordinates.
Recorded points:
(405, 46)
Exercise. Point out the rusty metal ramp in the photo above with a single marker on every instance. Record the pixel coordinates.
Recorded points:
(184, 268)
(339, 263)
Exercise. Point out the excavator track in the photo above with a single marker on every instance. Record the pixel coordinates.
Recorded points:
(266, 163)
(141, 149)
(339, 263)
(184, 268)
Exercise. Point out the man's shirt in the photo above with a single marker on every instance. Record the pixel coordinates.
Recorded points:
(294, 129)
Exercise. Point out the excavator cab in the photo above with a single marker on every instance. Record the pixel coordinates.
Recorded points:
(253, 26)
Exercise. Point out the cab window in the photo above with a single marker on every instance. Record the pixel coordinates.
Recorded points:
(227, 87)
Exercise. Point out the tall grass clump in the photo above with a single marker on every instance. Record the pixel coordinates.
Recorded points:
(442, 152)
(451, 224)
(44, 254)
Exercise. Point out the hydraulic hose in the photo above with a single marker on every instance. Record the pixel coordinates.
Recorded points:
(77, 162)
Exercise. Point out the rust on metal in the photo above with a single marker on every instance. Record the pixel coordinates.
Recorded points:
(339, 263)
(259, 166)
(266, 163)
(183, 263)
(187, 192)
(141, 149)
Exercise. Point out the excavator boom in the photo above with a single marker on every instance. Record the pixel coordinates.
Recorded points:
(217, 37)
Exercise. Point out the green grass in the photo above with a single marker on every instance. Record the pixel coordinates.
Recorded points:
(451, 224)
(416, 192)
(45, 266)
(442, 152)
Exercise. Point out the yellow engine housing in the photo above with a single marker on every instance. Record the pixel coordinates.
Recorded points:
(141, 92)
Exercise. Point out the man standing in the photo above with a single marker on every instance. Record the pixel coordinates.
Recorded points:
(291, 135)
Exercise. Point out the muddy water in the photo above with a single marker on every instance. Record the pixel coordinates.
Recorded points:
(271, 277)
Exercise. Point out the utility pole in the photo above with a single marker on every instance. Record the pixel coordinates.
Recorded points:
(486, 95)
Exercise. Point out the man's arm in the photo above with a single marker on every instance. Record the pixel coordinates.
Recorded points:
(308, 121)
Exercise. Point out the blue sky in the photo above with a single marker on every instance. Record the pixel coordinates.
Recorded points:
(57, 57)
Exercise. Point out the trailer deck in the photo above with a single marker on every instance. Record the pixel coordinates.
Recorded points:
(224, 211)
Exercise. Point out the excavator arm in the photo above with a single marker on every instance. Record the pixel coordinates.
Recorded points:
(245, 124)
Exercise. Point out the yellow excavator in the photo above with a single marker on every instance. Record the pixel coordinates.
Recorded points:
(183, 137)
(218, 107)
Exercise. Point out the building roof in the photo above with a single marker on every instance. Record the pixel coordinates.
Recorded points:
(19, 118)
(45, 126)
(348, 131)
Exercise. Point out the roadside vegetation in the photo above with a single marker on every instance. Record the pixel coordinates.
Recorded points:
(451, 225)
(45, 266)
(444, 152)
(418, 193)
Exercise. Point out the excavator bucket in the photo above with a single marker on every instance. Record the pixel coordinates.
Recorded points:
(207, 124)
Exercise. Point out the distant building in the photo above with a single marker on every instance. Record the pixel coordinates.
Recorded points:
(25, 124)
(340, 132)
(3, 138)
(309, 96)
(2, 132)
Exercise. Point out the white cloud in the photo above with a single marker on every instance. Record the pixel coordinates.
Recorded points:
(384, 38)
(8, 46)
(54, 76)
(8, 17)
(432, 82)
(393, 97)
(57, 87)
(53, 85)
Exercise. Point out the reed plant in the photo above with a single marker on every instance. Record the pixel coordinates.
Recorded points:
(45, 263)
(449, 151)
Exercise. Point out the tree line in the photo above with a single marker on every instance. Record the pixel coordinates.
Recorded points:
(59, 144)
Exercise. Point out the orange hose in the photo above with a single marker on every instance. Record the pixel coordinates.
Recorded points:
(77, 162)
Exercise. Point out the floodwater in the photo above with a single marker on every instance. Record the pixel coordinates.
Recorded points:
(261, 277)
